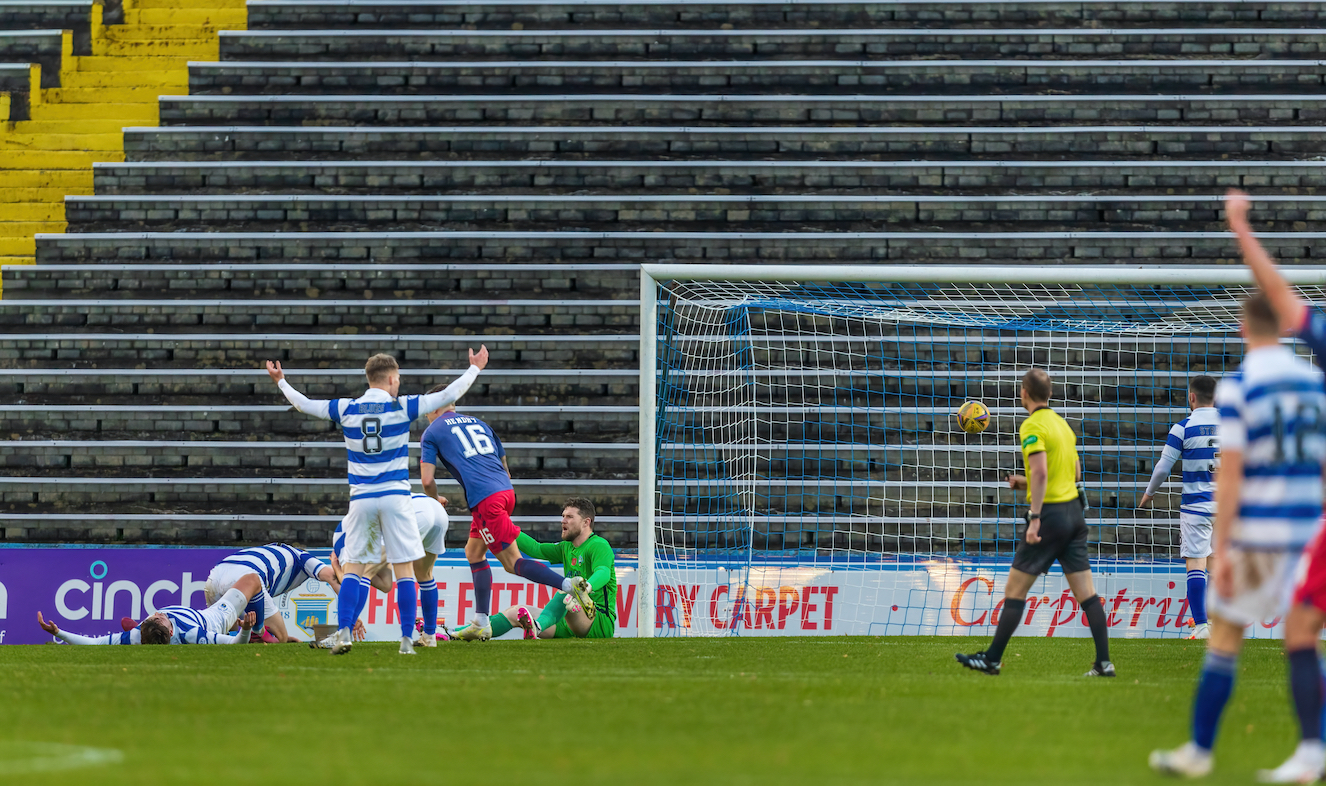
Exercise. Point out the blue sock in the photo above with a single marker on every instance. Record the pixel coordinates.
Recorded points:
(365, 592)
(1305, 687)
(483, 587)
(1197, 595)
(537, 571)
(407, 595)
(1213, 689)
(257, 607)
(428, 599)
(347, 603)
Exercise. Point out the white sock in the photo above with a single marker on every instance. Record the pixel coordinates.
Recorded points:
(480, 621)
(236, 601)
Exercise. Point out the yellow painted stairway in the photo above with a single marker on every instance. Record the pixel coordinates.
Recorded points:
(51, 155)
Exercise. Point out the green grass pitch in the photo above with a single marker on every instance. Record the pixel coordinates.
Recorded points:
(725, 711)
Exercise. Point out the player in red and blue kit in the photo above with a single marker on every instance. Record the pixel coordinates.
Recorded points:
(474, 456)
(1307, 615)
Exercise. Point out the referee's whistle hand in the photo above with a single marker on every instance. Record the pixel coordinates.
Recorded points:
(1017, 482)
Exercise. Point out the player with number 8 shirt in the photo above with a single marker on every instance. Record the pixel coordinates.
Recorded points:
(380, 523)
(474, 456)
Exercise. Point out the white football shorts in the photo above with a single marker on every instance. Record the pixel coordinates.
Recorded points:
(432, 519)
(1264, 584)
(1194, 535)
(224, 576)
(381, 528)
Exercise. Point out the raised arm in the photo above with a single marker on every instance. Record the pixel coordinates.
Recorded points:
(1169, 455)
(318, 409)
(452, 393)
(1290, 309)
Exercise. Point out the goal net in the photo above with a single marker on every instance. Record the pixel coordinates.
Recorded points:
(803, 471)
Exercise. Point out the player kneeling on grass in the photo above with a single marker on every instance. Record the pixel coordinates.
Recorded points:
(474, 456)
(581, 553)
(263, 574)
(1268, 508)
(1056, 528)
(176, 625)
(1192, 443)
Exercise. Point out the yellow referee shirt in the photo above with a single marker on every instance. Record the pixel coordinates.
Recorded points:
(1044, 431)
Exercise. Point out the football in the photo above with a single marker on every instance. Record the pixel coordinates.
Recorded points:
(973, 417)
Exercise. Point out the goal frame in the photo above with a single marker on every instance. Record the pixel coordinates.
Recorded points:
(651, 275)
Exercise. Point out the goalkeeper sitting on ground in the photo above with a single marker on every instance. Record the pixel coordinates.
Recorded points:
(581, 553)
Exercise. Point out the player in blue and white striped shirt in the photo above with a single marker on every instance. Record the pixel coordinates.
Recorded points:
(263, 574)
(175, 625)
(380, 523)
(1193, 441)
(1307, 616)
(1268, 508)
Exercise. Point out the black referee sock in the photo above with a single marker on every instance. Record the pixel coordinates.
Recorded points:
(1009, 619)
(1094, 611)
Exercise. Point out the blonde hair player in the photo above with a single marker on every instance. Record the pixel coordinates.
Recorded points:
(380, 523)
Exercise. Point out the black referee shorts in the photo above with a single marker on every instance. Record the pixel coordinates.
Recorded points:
(1063, 537)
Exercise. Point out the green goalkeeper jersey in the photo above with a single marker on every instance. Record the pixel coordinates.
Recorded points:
(592, 560)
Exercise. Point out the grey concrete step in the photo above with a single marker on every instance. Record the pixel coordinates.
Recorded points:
(71, 385)
(511, 356)
(48, 15)
(670, 177)
(350, 44)
(16, 81)
(676, 212)
(264, 418)
(43, 47)
(743, 110)
(812, 77)
(304, 143)
(326, 281)
(370, 248)
(420, 315)
(307, 459)
(532, 14)
(323, 496)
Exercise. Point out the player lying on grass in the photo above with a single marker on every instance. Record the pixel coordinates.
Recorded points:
(474, 456)
(431, 517)
(1192, 443)
(379, 524)
(581, 553)
(1056, 528)
(1268, 508)
(263, 574)
(176, 625)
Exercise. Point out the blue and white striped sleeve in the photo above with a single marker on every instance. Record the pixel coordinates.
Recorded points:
(1233, 431)
(1169, 455)
(127, 637)
(327, 410)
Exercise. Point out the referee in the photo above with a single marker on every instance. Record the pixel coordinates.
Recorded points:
(1056, 529)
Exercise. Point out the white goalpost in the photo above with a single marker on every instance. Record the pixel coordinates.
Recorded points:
(802, 472)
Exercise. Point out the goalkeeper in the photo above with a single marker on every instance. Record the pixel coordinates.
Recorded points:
(581, 553)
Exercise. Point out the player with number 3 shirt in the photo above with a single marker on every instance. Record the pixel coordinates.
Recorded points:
(474, 456)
